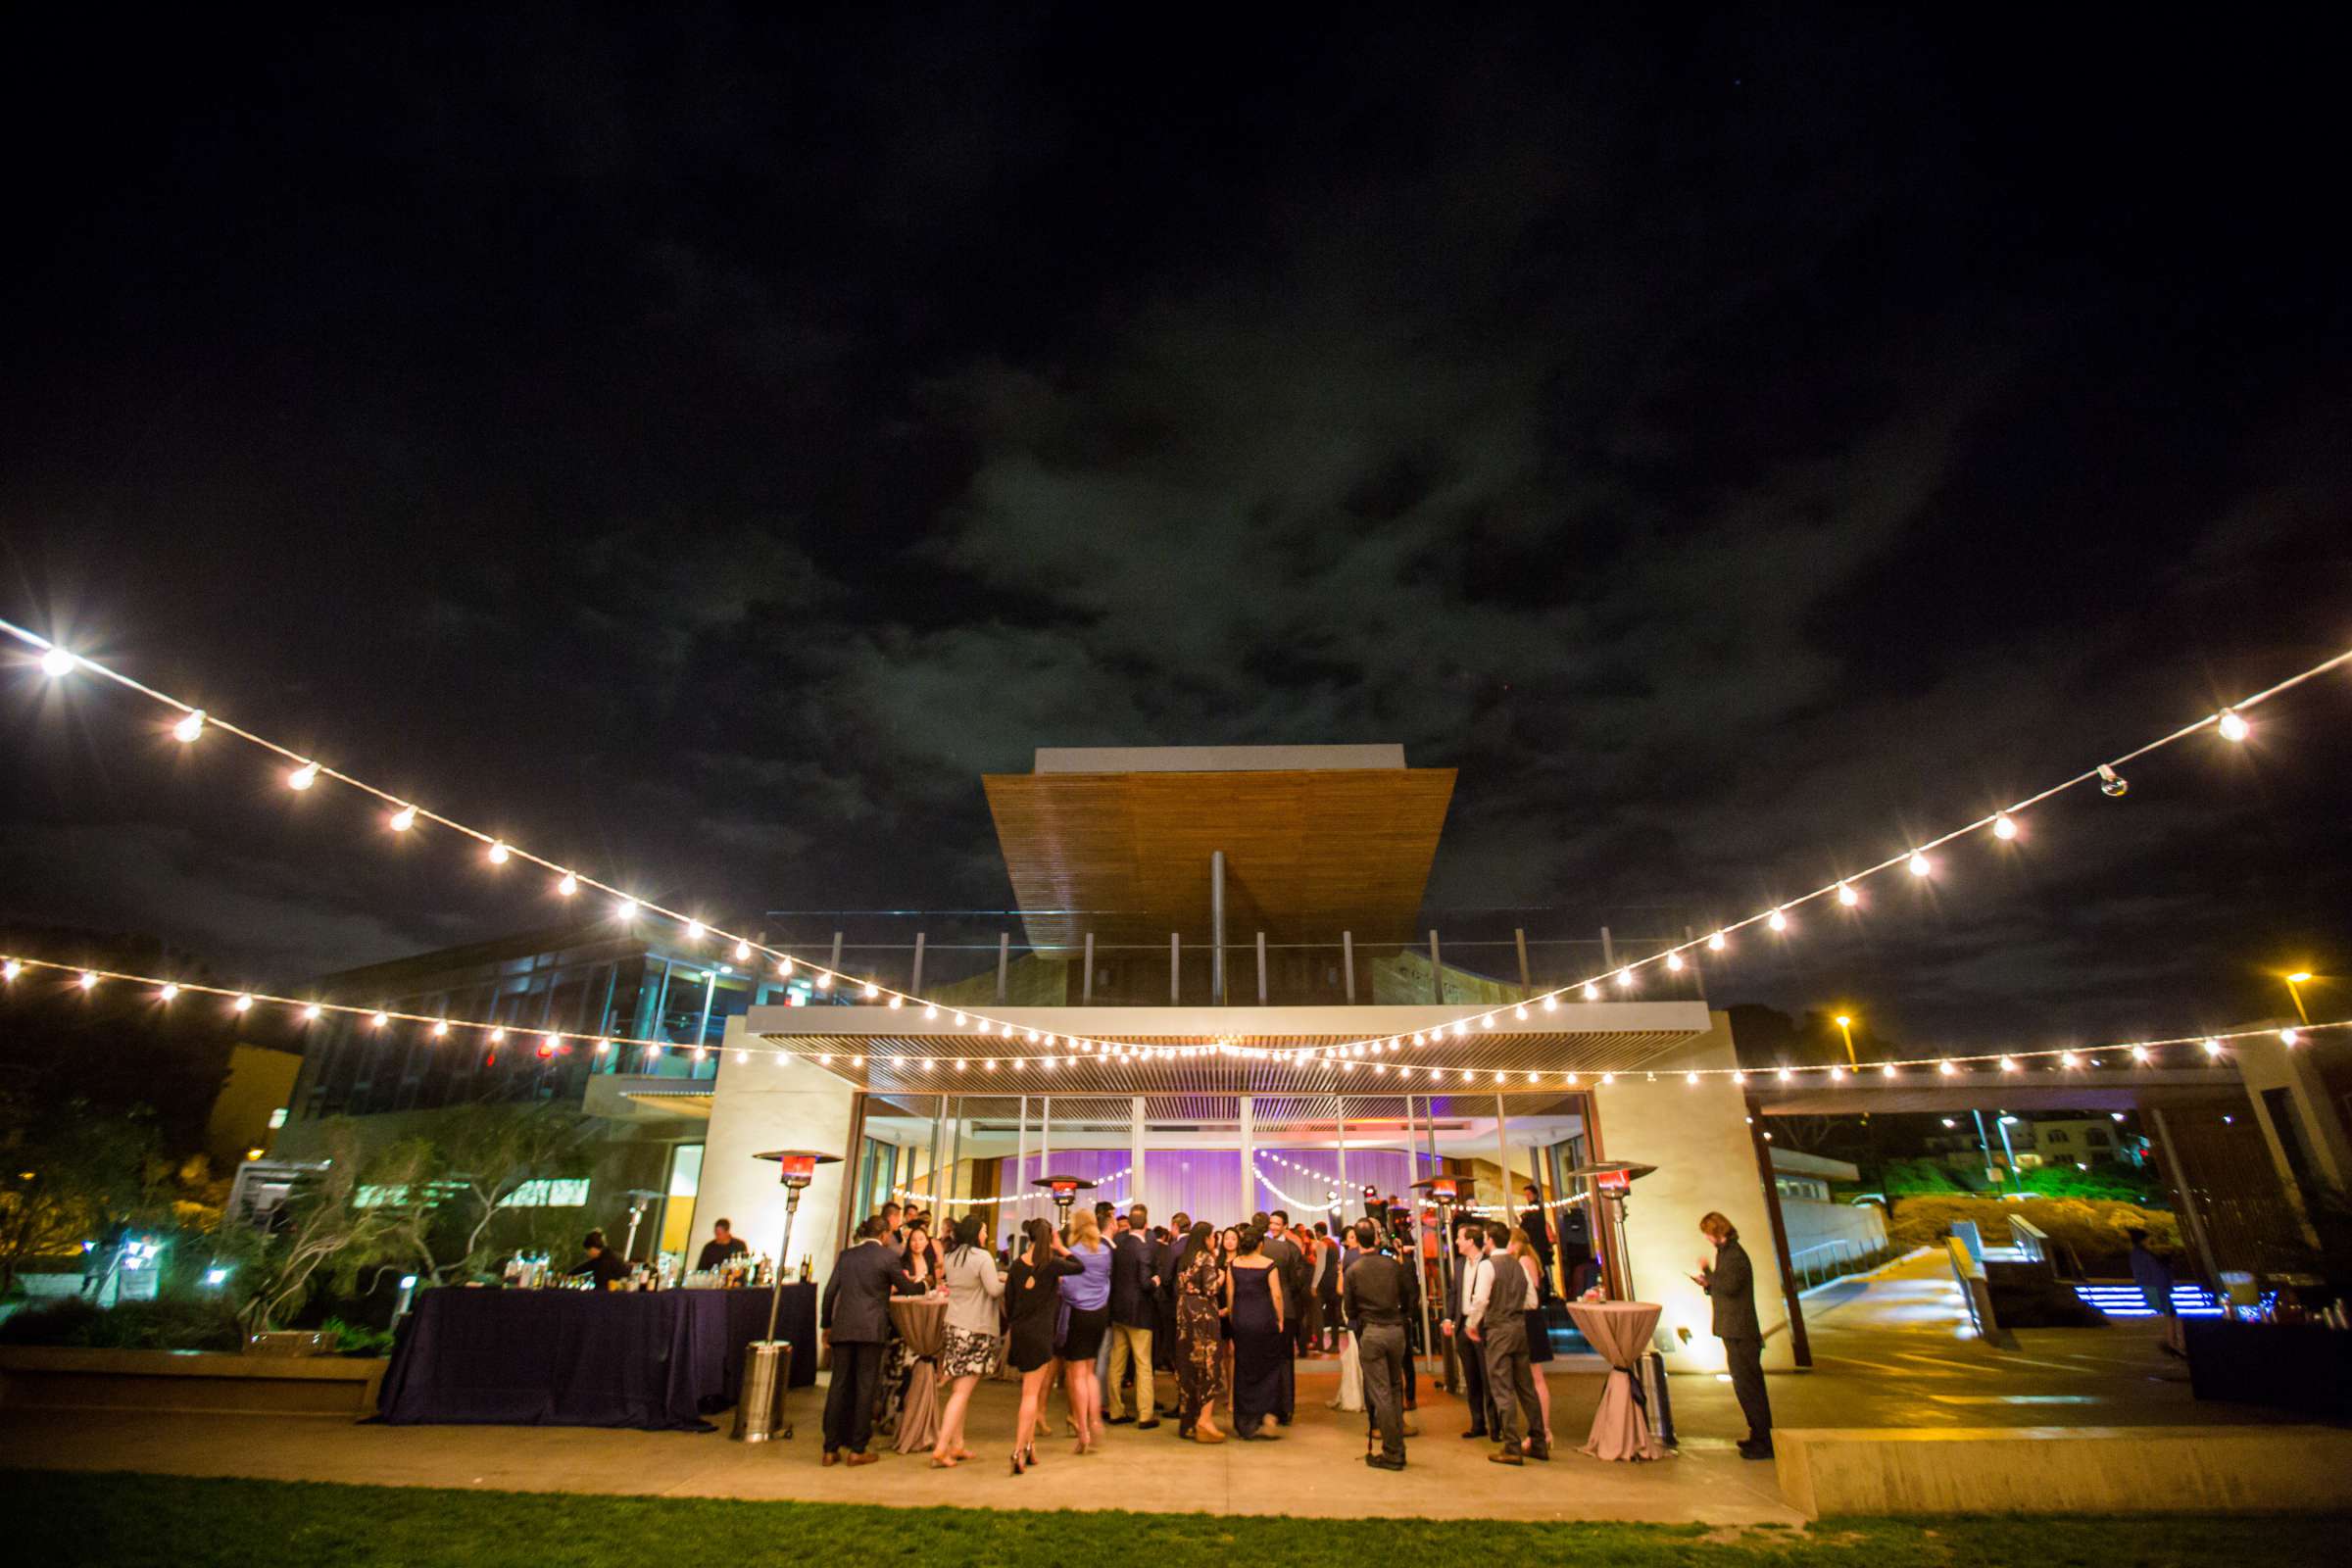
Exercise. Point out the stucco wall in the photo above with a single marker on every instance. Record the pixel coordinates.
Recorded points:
(767, 1103)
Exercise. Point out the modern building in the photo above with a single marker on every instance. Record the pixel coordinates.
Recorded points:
(1217, 1011)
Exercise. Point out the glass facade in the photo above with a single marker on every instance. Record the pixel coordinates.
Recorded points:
(590, 984)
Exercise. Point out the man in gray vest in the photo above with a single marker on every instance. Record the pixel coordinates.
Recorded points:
(1500, 1330)
(1374, 1295)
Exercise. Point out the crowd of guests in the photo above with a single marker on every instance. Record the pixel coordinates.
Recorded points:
(1112, 1305)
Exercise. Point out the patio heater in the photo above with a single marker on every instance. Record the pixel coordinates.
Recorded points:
(767, 1362)
(1065, 1190)
(1612, 1178)
(640, 1199)
(1446, 1192)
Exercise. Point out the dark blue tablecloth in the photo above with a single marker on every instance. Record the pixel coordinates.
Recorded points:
(660, 1361)
(2288, 1367)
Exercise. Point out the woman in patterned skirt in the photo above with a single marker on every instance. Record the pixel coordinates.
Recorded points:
(1199, 1289)
(974, 1293)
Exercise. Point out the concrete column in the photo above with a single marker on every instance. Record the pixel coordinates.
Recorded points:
(1248, 1157)
(1437, 975)
(1135, 1145)
(1519, 939)
(1017, 1190)
(1044, 1137)
(1503, 1153)
(1346, 1194)
(915, 987)
(1348, 962)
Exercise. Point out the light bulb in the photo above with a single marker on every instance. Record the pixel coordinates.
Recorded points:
(693, 930)
(10, 969)
(870, 992)
(626, 910)
(1519, 1011)
(1945, 1069)
(2008, 1064)
(1690, 1078)
(2139, 1054)
(1847, 895)
(567, 885)
(243, 1003)
(2213, 1047)
(1625, 979)
(784, 966)
(303, 777)
(2232, 725)
(2066, 1058)
(440, 1028)
(1886, 1070)
(896, 1000)
(743, 951)
(1716, 943)
(380, 1019)
(88, 981)
(1486, 1021)
(1551, 1004)
(498, 853)
(2112, 784)
(403, 819)
(1777, 920)
(310, 1014)
(2004, 826)
(2288, 1037)
(57, 664)
(1674, 962)
(824, 980)
(929, 1010)
(1918, 864)
(188, 728)
(167, 993)
(1591, 991)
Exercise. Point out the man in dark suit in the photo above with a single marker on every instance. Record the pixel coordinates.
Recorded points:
(854, 1314)
(1730, 1282)
(1537, 1223)
(1376, 1296)
(1136, 1272)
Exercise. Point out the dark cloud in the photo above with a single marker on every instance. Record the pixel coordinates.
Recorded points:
(703, 445)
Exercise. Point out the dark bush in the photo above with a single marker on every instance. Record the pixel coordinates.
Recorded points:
(167, 1324)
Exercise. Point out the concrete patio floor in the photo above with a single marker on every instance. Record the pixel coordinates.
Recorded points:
(1887, 1352)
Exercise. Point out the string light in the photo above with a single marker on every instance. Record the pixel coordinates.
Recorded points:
(2232, 724)
(310, 1013)
(1717, 943)
(303, 777)
(1777, 920)
(188, 728)
(168, 994)
(88, 980)
(1674, 962)
(1847, 895)
(403, 819)
(243, 1003)
(2004, 826)
(568, 886)
(693, 930)
(57, 664)
(498, 853)
(1918, 864)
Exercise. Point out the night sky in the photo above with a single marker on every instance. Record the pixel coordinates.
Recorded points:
(700, 445)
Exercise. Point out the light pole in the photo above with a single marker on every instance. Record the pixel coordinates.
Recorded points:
(2007, 1153)
(1845, 1027)
(2298, 978)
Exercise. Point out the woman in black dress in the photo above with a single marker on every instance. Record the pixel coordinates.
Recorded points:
(1253, 1296)
(1032, 1304)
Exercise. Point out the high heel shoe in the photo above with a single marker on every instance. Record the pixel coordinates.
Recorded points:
(1016, 1461)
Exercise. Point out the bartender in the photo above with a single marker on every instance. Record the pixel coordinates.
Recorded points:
(723, 1244)
(600, 1265)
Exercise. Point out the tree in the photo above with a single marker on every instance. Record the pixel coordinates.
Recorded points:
(484, 1155)
(71, 1173)
(358, 1212)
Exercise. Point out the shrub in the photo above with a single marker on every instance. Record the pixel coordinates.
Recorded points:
(160, 1325)
(2092, 1228)
(357, 1338)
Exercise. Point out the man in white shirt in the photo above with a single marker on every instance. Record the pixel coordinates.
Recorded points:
(1474, 1281)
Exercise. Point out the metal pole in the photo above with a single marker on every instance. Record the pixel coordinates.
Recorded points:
(1519, 939)
(835, 965)
(955, 1150)
(1217, 927)
(1176, 966)
(1086, 987)
(1346, 1194)
(1347, 961)
(1608, 950)
(1018, 1188)
(1003, 964)
(1249, 1155)
(701, 1031)
(1262, 968)
(1436, 976)
(1503, 1156)
(1135, 1150)
(916, 989)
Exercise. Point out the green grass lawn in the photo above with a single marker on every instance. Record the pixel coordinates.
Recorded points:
(132, 1521)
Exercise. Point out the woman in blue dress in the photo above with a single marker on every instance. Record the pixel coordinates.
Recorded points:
(1253, 1299)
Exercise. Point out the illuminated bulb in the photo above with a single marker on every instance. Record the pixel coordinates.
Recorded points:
(2139, 1054)
(1836, 1075)
(1551, 1004)
(1847, 895)
(379, 1021)
(1624, 978)
(1591, 991)
(870, 992)
(959, 1064)
(626, 910)
(743, 951)
(310, 1014)
(1784, 1076)
(10, 969)
(2066, 1058)
(1486, 1022)
(894, 1001)
(990, 1066)
(1608, 1077)
(440, 1028)
(403, 819)
(1716, 943)
(88, 981)
(1032, 1033)
(2232, 725)
(1918, 863)
(824, 980)
(243, 1004)
(497, 852)
(2004, 826)
(1777, 920)
(693, 930)
(1738, 1077)
(188, 728)
(1417, 1039)
(57, 664)
(303, 777)
(2213, 1047)
(1519, 1011)
(167, 993)
(2008, 1064)
(2288, 1037)
(1691, 1079)
(1673, 961)
(784, 966)
(1945, 1069)
(567, 885)
(1888, 1070)
(742, 1057)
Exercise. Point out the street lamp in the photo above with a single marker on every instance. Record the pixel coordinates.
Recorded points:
(1845, 1027)
(2005, 1121)
(2298, 978)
